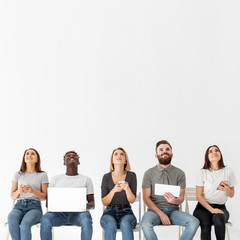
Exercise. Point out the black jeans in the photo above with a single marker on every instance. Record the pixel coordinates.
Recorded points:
(207, 219)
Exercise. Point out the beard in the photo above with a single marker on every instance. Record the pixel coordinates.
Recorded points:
(164, 159)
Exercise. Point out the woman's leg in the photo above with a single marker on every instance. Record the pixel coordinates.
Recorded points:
(109, 225)
(219, 221)
(127, 223)
(205, 218)
(31, 218)
(14, 220)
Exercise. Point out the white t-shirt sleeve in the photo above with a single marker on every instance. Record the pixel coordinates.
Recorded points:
(52, 182)
(90, 189)
(232, 179)
(199, 179)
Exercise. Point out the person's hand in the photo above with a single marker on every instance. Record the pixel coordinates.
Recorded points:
(124, 186)
(170, 198)
(117, 188)
(27, 189)
(223, 187)
(216, 210)
(20, 190)
(164, 219)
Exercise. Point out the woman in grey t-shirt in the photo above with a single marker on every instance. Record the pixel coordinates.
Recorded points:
(118, 191)
(29, 186)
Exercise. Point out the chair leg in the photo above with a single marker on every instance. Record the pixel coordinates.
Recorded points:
(179, 232)
(102, 234)
(228, 236)
(52, 233)
(7, 235)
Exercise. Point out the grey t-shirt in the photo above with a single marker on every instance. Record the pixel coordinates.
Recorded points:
(35, 180)
(119, 197)
(170, 175)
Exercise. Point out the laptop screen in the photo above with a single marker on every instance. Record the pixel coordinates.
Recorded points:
(66, 199)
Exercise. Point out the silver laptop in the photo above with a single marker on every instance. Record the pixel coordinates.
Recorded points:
(66, 199)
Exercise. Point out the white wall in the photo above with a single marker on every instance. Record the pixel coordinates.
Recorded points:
(95, 75)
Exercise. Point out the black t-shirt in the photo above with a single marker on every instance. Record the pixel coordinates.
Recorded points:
(119, 197)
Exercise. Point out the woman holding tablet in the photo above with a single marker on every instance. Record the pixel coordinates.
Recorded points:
(118, 192)
(215, 183)
(29, 186)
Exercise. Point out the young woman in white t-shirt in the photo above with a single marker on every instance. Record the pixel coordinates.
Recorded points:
(215, 183)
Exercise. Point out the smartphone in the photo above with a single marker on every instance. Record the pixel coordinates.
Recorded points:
(222, 183)
(119, 182)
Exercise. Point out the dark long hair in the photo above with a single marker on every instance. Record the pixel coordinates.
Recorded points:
(23, 167)
(207, 164)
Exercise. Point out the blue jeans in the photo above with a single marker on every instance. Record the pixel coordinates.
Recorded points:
(114, 218)
(57, 219)
(151, 219)
(24, 215)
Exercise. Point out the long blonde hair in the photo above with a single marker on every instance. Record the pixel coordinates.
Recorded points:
(126, 165)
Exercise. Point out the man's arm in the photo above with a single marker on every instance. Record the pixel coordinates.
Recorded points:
(91, 203)
(173, 200)
(146, 198)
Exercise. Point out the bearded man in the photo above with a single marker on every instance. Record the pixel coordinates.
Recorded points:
(165, 209)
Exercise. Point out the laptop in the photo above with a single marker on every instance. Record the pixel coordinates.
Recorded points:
(66, 199)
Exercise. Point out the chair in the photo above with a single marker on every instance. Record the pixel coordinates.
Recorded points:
(6, 223)
(138, 227)
(180, 229)
(53, 235)
(190, 195)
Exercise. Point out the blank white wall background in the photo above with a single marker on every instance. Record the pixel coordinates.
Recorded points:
(95, 75)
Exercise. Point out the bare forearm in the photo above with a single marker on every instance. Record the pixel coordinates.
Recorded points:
(152, 206)
(15, 195)
(179, 201)
(230, 192)
(108, 198)
(39, 195)
(204, 203)
(130, 196)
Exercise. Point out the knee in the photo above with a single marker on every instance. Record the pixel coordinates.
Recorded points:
(194, 223)
(86, 221)
(128, 224)
(25, 226)
(108, 221)
(45, 222)
(218, 219)
(146, 224)
(13, 219)
(205, 226)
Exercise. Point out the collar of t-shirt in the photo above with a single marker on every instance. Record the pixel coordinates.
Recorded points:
(168, 169)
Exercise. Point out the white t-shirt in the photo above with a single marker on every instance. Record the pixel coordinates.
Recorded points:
(79, 180)
(210, 179)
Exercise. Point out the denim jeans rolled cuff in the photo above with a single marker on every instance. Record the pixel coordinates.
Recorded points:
(24, 215)
(118, 218)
